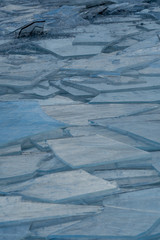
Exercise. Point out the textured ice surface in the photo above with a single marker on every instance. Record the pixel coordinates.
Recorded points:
(14, 232)
(81, 113)
(139, 126)
(139, 96)
(20, 167)
(113, 84)
(64, 48)
(130, 178)
(16, 211)
(11, 150)
(109, 64)
(95, 151)
(102, 35)
(90, 50)
(28, 119)
(142, 201)
(46, 231)
(67, 187)
(112, 223)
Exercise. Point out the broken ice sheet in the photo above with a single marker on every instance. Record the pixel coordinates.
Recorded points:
(52, 165)
(46, 231)
(79, 114)
(20, 120)
(130, 178)
(142, 201)
(18, 212)
(144, 127)
(57, 100)
(147, 43)
(41, 93)
(95, 151)
(117, 19)
(102, 34)
(21, 75)
(151, 70)
(62, 18)
(14, 232)
(113, 83)
(156, 160)
(19, 168)
(30, 29)
(138, 96)
(69, 186)
(75, 93)
(11, 150)
(112, 223)
(64, 48)
(109, 64)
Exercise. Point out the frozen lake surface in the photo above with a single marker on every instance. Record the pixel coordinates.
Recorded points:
(79, 119)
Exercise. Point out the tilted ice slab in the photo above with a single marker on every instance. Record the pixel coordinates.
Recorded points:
(122, 174)
(102, 34)
(64, 48)
(142, 201)
(11, 150)
(57, 100)
(75, 92)
(139, 96)
(144, 127)
(152, 69)
(79, 114)
(117, 19)
(49, 230)
(140, 209)
(130, 178)
(95, 151)
(39, 92)
(67, 186)
(112, 223)
(109, 64)
(20, 167)
(114, 84)
(16, 211)
(142, 46)
(20, 120)
(17, 232)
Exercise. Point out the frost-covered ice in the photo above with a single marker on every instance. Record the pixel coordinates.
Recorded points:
(79, 119)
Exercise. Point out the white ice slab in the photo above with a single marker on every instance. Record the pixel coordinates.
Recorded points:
(144, 127)
(14, 232)
(95, 151)
(117, 84)
(128, 178)
(64, 48)
(11, 150)
(46, 231)
(139, 96)
(81, 113)
(113, 223)
(20, 167)
(143, 201)
(122, 174)
(67, 186)
(102, 34)
(15, 211)
(57, 100)
(40, 92)
(110, 64)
